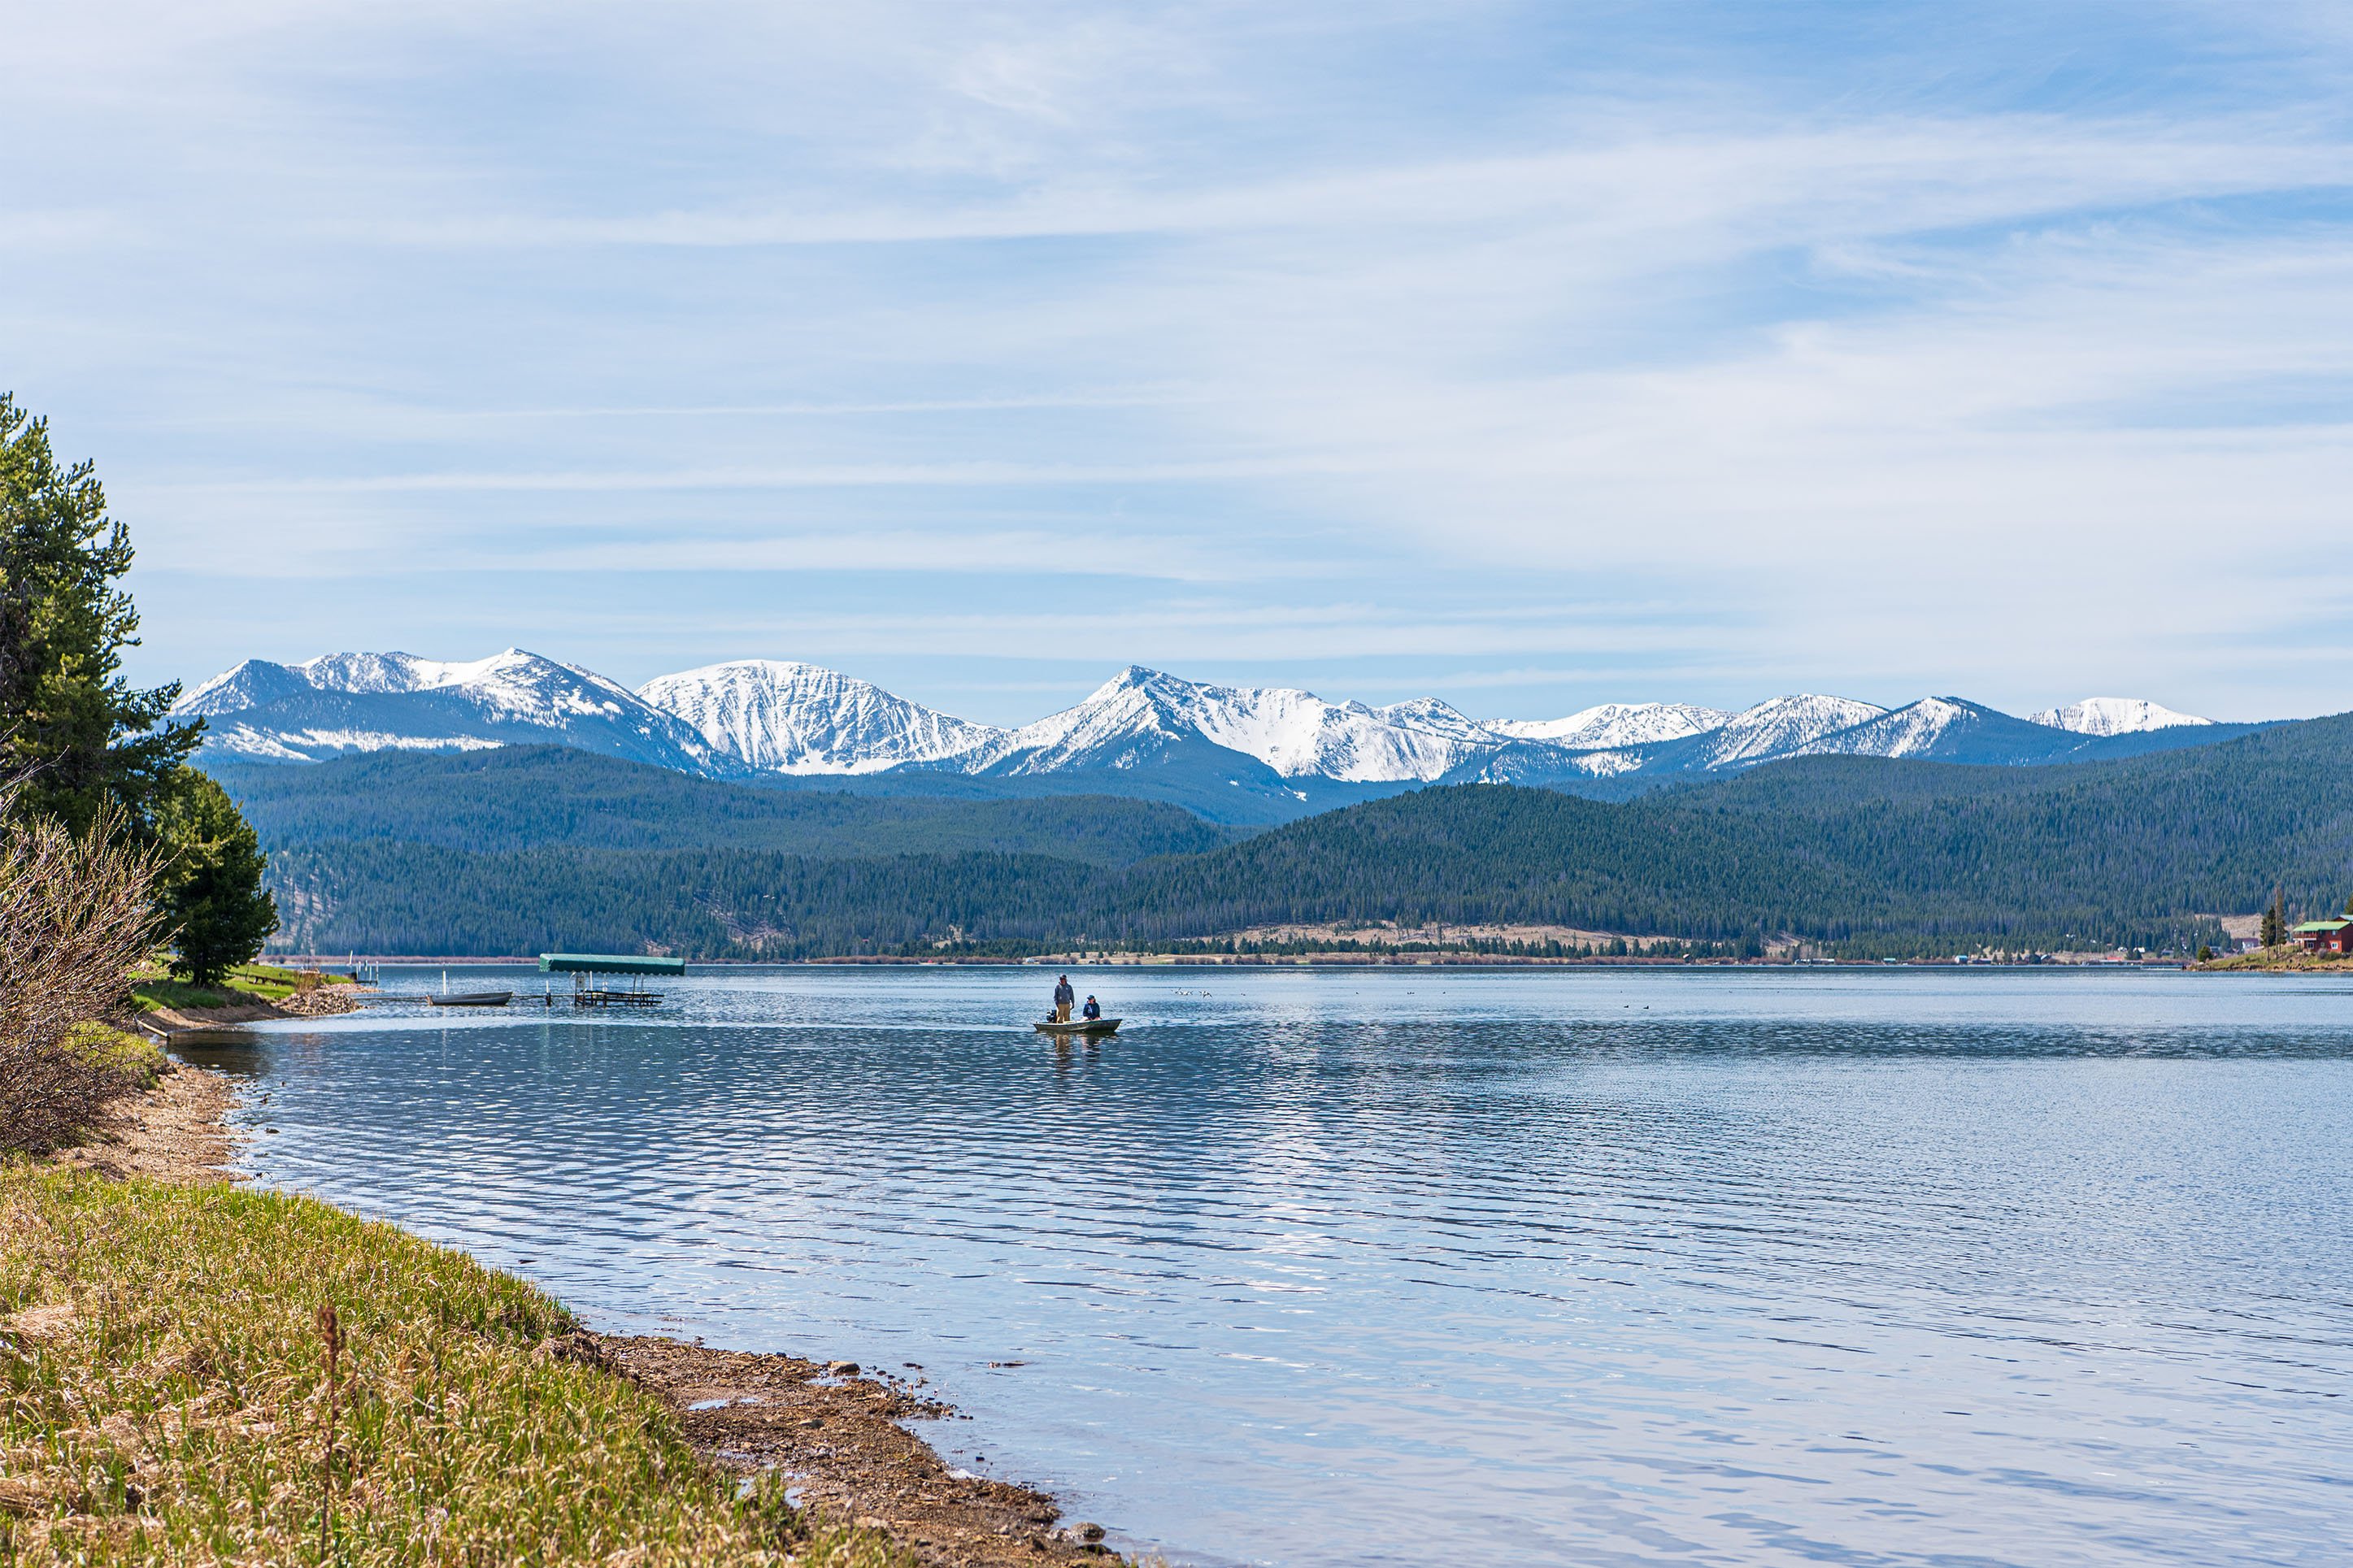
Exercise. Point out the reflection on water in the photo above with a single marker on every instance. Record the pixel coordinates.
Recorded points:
(1403, 1267)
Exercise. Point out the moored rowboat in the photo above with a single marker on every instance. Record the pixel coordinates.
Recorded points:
(473, 999)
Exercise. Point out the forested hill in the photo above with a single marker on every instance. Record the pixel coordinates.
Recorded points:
(525, 797)
(1873, 856)
(1889, 855)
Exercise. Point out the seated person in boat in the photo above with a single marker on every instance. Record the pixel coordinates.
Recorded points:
(1063, 996)
(1093, 1009)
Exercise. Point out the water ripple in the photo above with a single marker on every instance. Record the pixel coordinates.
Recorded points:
(1412, 1267)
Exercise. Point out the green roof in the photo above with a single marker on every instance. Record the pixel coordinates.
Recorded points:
(2322, 925)
(607, 964)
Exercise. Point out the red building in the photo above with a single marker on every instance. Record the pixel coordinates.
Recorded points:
(2325, 936)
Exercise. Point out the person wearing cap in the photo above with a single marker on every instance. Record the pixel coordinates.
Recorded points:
(1063, 996)
(1092, 1011)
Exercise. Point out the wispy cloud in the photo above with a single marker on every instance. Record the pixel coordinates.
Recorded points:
(1844, 350)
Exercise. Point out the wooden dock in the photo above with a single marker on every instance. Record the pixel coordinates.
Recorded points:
(599, 998)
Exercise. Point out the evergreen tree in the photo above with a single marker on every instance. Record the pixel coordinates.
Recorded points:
(70, 723)
(2274, 928)
(211, 890)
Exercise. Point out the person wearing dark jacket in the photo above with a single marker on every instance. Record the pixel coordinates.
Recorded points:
(1093, 1010)
(1063, 996)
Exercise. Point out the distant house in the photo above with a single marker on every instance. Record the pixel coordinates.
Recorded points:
(2324, 936)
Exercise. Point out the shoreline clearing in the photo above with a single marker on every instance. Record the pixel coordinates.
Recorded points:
(833, 1432)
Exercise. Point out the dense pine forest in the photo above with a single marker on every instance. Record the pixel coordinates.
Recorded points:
(514, 852)
(524, 797)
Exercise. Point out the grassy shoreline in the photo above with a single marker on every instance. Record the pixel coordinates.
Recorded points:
(154, 988)
(2285, 959)
(173, 1389)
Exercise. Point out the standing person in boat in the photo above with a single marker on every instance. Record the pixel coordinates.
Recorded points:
(1093, 1010)
(1063, 996)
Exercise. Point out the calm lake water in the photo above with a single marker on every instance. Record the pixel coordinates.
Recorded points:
(1409, 1267)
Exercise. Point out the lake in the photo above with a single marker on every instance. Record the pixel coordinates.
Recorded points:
(1427, 1266)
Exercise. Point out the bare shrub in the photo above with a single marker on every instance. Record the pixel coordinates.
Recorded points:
(76, 915)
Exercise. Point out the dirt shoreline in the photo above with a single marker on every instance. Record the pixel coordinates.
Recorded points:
(176, 1131)
(833, 1429)
(325, 1002)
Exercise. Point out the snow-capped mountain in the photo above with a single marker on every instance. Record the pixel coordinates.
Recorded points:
(780, 717)
(1777, 726)
(1139, 714)
(345, 702)
(1614, 726)
(2114, 716)
(1913, 730)
(1949, 729)
(1236, 753)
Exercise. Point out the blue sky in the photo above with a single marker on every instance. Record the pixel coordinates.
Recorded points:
(1524, 355)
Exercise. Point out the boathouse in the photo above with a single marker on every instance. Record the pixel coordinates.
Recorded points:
(585, 968)
(2325, 936)
(612, 963)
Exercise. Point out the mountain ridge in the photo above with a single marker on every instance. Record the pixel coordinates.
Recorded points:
(1858, 856)
(1240, 754)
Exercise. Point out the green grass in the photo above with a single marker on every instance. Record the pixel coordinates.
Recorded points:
(134, 1059)
(183, 1411)
(149, 995)
(153, 987)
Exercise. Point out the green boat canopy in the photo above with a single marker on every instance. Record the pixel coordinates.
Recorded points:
(607, 964)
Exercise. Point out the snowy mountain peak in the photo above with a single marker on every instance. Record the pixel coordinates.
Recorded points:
(249, 685)
(342, 703)
(1915, 730)
(2114, 716)
(1135, 678)
(783, 717)
(376, 672)
(1780, 726)
(1141, 732)
(1140, 711)
(1616, 724)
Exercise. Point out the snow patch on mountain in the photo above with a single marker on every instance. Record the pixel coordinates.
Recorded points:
(2114, 716)
(304, 745)
(789, 718)
(1140, 712)
(1780, 727)
(1911, 731)
(1611, 725)
(344, 703)
(525, 685)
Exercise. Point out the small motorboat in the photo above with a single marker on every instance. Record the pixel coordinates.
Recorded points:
(1078, 1027)
(471, 999)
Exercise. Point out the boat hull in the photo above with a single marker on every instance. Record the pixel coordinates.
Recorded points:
(1079, 1027)
(474, 999)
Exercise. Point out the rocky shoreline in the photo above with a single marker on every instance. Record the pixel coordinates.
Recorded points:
(834, 1429)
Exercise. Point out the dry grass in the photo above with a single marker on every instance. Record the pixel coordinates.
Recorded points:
(204, 1374)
